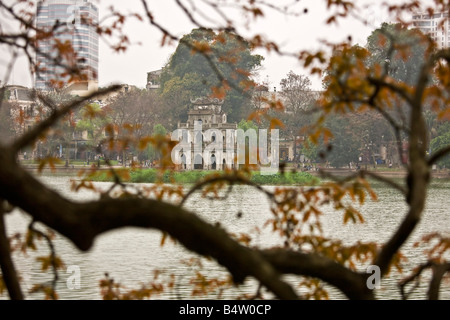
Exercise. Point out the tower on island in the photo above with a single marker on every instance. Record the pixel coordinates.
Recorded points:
(206, 124)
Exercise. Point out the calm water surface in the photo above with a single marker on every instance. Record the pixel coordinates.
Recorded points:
(130, 255)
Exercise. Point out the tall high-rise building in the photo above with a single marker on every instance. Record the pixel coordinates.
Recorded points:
(437, 26)
(72, 21)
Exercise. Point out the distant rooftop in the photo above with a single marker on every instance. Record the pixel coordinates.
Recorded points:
(21, 93)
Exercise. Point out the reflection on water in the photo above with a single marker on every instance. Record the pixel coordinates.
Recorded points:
(131, 255)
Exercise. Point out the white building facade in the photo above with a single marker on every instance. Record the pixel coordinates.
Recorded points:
(205, 136)
(437, 26)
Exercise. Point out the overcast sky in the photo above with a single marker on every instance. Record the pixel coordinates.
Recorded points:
(291, 33)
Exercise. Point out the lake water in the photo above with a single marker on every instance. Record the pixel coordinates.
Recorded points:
(130, 255)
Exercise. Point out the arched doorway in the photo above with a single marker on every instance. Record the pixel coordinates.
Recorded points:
(198, 162)
(213, 162)
(199, 138)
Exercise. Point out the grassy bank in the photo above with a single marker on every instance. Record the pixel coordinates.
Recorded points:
(190, 177)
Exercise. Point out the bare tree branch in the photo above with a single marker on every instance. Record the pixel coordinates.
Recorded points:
(351, 283)
(363, 174)
(415, 276)
(51, 246)
(393, 87)
(230, 178)
(30, 136)
(82, 222)
(435, 157)
(439, 270)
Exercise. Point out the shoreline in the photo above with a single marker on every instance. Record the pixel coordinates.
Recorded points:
(75, 170)
(435, 174)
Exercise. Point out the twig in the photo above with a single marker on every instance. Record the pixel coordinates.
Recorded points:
(415, 276)
(9, 273)
(362, 174)
(30, 136)
(438, 269)
(52, 255)
(435, 157)
(233, 178)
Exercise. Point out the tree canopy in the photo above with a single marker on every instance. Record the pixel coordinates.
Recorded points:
(386, 46)
(207, 63)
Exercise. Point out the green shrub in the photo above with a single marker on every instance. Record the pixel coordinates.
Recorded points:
(191, 177)
(288, 178)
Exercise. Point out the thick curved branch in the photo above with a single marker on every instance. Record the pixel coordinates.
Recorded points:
(351, 283)
(439, 270)
(418, 173)
(7, 265)
(83, 222)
